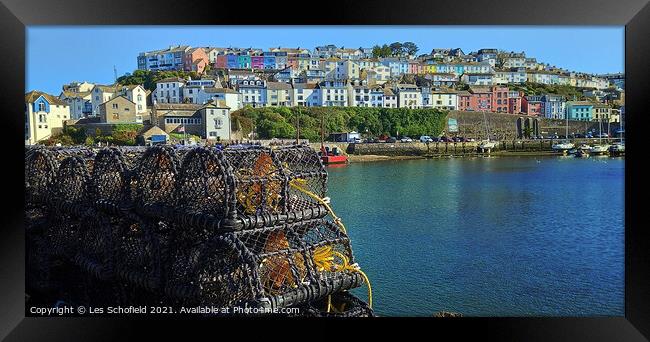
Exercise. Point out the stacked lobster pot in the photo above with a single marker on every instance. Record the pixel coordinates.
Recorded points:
(189, 226)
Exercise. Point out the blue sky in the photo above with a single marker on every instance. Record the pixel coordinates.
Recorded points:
(57, 55)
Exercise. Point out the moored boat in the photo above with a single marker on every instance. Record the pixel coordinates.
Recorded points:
(599, 149)
(563, 146)
(332, 156)
(617, 148)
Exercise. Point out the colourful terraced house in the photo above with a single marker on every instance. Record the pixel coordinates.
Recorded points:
(579, 110)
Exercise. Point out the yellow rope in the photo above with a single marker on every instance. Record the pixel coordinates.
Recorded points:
(299, 184)
(324, 255)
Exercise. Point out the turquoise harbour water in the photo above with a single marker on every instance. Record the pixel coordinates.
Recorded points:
(509, 236)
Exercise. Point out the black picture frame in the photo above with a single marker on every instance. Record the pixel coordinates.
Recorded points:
(15, 15)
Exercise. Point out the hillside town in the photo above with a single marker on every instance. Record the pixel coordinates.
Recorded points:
(210, 83)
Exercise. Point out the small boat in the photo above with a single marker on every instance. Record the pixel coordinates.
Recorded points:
(487, 144)
(599, 149)
(585, 147)
(332, 156)
(329, 156)
(617, 148)
(563, 146)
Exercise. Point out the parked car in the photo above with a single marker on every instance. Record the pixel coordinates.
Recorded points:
(602, 135)
(391, 140)
(554, 136)
(470, 139)
(355, 140)
(425, 139)
(406, 139)
(445, 139)
(589, 135)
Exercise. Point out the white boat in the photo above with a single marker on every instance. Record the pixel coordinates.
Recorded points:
(585, 147)
(486, 144)
(566, 144)
(599, 149)
(617, 147)
(563, 146)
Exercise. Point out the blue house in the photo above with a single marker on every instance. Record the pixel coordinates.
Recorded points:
(579, 110)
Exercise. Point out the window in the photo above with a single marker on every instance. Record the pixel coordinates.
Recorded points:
(114, 105)
(42, 118)
(41, 107)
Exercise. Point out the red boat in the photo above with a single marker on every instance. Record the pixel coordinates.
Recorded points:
(332, 156)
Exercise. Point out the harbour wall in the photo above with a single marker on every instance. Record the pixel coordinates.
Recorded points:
(511, 126)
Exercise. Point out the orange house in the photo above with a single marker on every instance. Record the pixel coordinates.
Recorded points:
(195, 59)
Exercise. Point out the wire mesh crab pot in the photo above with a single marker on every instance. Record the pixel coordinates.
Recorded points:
(268, 267)
(342, 304)
(40, 172)
(231, 189)
(69, 199)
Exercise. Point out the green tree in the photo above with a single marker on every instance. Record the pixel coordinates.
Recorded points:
(410, 48)
(396, 49)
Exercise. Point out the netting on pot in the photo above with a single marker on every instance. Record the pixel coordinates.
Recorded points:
(263, 179)
(141, 253)
(304, 168)
(266, 267)
(40, 171)
(260, 184)
(340, 304)
(98, 246)
(204, 194)
(111, 179)
(71, 190)
(154, 182)
(217, 272)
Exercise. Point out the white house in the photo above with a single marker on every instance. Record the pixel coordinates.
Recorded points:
(169, 90)
(444, 99)
(477, 79)
(101, 94)
(232, 98)
(376, 96)
(306, 95)
(359, 94)
(79, 102)
(279, 94)
(390, 99)
(253, 92)
(333, 93)
(136, 94)
(44, 116)
(347, 69)
(216, 121)
(408, 96)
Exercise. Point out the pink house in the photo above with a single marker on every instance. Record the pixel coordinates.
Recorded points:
(463, 100)
(500, 99)
(414, 68)
(222, 61)
(480, 99)
(533, 105)
(257, 62)
(514, 102)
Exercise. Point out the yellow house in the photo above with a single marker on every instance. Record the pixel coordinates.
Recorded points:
(429, 68)
(44, 116)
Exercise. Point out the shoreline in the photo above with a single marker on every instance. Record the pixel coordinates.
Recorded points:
(368, 158)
